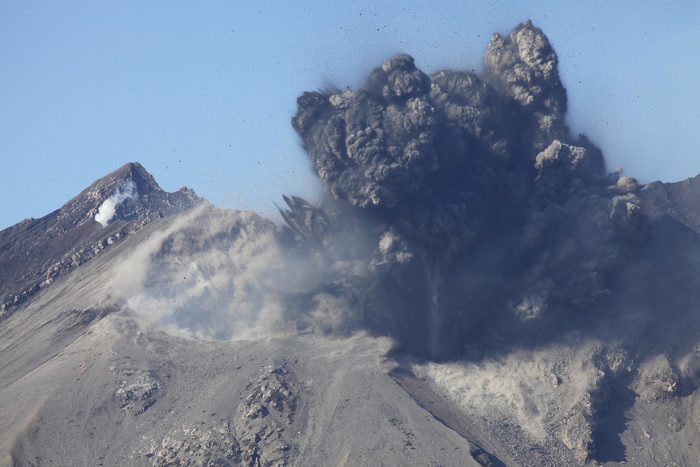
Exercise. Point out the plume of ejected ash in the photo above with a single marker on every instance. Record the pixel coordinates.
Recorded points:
(108, 208)
(458, 213)
(458, 209)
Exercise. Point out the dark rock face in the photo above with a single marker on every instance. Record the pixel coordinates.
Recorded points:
(35, 251)
(677, 200)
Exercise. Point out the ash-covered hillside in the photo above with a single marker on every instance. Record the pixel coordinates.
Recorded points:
(534, 307)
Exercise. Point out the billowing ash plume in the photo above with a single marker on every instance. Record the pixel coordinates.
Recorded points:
(108, 208)
(458, 208)
(459, 214)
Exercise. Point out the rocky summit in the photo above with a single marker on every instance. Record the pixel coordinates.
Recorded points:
(35, 251)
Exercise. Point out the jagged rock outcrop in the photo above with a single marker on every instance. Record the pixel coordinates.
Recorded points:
(677, 200)
(265, 419)
(137, 396)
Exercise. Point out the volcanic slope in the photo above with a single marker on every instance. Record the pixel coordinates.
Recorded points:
(88, 376)
(86, 380)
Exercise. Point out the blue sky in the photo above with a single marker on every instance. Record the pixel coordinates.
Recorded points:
(202, 93)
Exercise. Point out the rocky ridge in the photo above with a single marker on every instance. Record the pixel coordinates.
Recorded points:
(35, 251)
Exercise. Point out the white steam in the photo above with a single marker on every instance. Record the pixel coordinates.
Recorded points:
(107, 210)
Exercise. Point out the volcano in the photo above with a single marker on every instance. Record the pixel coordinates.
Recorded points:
(473, 288)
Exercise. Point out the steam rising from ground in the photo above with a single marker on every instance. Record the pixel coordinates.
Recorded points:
(108, 208)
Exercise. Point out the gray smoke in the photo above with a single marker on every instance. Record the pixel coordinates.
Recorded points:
(458, 209)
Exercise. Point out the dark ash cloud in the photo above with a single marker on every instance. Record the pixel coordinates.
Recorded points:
(458, 207)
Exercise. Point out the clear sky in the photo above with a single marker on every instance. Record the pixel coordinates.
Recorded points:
(202, 93)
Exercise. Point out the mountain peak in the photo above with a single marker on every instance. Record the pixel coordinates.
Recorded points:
(103, 213)
(145, 183)
(132, 193)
